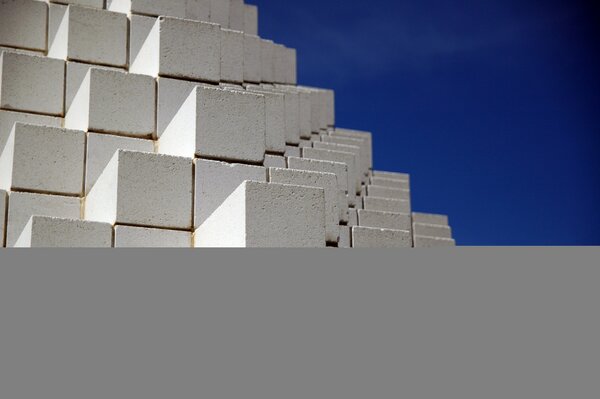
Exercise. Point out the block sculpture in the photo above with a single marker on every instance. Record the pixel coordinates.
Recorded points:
(173, 123)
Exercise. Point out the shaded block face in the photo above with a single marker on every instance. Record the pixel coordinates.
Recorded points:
(23, 24)
(348, 158)
(232, 56)
(275, 120)
(384, 220)
(338, 168)
(252, 59)
(267, 60)
(345, 237)
(365, 148)
(430, 218)
(115, 102)
(222, 124)
(357, 134)
(143, 189)
(250, 19)
(143, 237)
(391, 183)
(43, 158)
(198, 10)
(219, 12)
(215, 181)
(326, 181)
(275, 161)
(386, 205)
(3, 202)
(432, 230)
(100, 150)
(267, 215)
(49, 232)
(169, 8)
(386, 192)
(177, 48)
(24, 205)
(31, 83)
(87, 34)
(432, 242)
(9, 118)
(354, 149)
(291, 74)
(236, 15)
(292, 114)
(365, 237)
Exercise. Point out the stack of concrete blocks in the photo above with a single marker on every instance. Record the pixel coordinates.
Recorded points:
(171, 123)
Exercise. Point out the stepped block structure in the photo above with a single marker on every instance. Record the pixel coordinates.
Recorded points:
(172, 123)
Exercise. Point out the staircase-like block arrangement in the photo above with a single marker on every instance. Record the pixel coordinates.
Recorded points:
(172, 123)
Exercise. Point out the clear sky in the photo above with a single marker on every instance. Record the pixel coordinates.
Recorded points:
(492, 106)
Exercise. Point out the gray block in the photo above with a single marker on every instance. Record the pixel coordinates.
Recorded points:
(386, 192)
(250, 19)
(338, 168)
(348, 158)
(392, 175)
(23, 24)
(366, 237)
(432, 242)
(232, 56)
(432, 230)
(384, 220)
(252, 59)
(9, 118)
(339, 132)
(275, 161)
(386, 205)
(345, 237)
(51, 232)
(143, 237)
(391, 183)
(430, 218)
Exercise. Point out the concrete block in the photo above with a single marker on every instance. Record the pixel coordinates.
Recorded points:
(9, 118)
(292, 151)
(329, 106)
(219, 12)
(432, 242)
(366, 152)
(24, 205)
(361, 172)
(337, 156)
(275, 161)
(76, 72)
(114, 102)
(3, 210)
(352, 217)
(143, 237)
(432, 230)
(326, 181)
(232, 56)
(392, 175)
(384, 220)
(386, 205)
(304, 115)
(391, 183)
(292, 115)
(170, 8)
(51, 232)
(356, 134)
(275, 119)
(250, 19)
(340, 169)
(343, 206)
(44, 159)
(267, 61)
(85, 3)
(22, 51)
(23, 24)
(215, 181)
(218, 124)
(430, 218)
(198, 10)
(345, 237)
(366, 237)
(267, 215)
(283, 64)
(143, 189)
(386, 192)
(172, 94)
(252, 59)
(102, 147)
(87, 34)
(236, 15)
(291, 76)
(177, 48)
(31, 83)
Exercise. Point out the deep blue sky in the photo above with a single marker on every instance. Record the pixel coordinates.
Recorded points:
(492, 106)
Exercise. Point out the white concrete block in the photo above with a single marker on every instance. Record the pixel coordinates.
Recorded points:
(218, 124)
(143, 189)
(366, 152)
(250, 19)
(236, 15)
(252, 59)
(392, 175)
(292, 116)
(305, 112)
(143, 237)
(232, 56)
(170, 8)
(114, 102)
(51, 232)
(172, 94)
(352, 217)
(76, 72)
(267, 215)
(340, 169)
(357, 134)
(275, 161)
(219, 12)
(22, 51)
(292, 151)
(85, 3)
(43, 159)
(356, 150)
(386, 192)
(215, 181)
(384, 220)
(326, 181)
(31, 84)
(430, 218)
(267, 61)
(432, 242)
(9, 118)
(386, 205)
(348, 158)
(343, 205)
(392, 183)
(3, 210)
(366, 237)
(432, 230)
(345, 237)
(177, 48)
(102, 147)
(291, 76)
(280, 66)
(23, 24)
(329, 106)
(87, 34)
(24, 205)
(275, 119)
